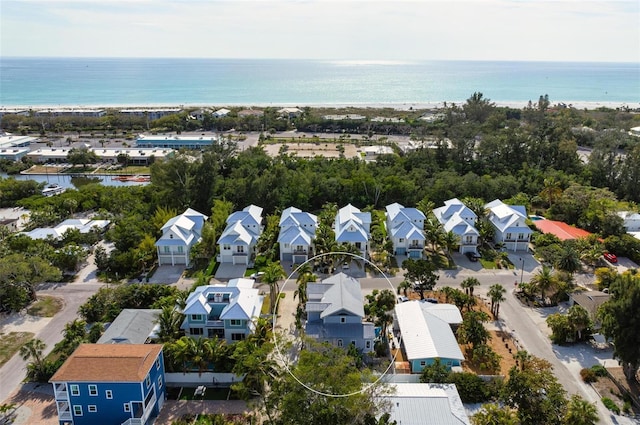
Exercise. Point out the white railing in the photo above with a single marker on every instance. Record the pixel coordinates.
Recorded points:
(64, 415)
(133, 421)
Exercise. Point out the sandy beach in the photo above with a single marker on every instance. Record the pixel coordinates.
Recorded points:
(407, 106)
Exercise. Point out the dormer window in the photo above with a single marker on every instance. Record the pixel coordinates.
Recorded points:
(170, 236)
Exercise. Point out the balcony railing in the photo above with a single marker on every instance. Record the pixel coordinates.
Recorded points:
(60, 392)
(133, 421)
(64, 415)
(300, 251)
(415, 247)
(215, 323)
(239, 254)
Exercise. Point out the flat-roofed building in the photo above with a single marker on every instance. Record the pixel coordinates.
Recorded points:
(96, 113)
(150, 114)
(175, 142)
(136, 156)
(8, 140)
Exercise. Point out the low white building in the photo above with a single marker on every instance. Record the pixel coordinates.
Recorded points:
(82, 225)
(419, 404)
(631, 221)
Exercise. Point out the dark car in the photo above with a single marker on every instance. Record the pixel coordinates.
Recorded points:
(610, 257)
(473, 256)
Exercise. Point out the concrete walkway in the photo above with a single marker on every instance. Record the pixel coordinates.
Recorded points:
(176, 409)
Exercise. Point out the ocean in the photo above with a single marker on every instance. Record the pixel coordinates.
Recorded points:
(72, 82)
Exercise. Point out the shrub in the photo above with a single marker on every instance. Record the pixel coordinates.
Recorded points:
(626, 408)
(599, 370)
(609, 404)
(471, 387)
(588, 375)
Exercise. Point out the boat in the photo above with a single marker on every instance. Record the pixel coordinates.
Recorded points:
(53, 189)
(132, 178)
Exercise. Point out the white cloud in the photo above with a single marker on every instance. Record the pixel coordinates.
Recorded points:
(346, 29)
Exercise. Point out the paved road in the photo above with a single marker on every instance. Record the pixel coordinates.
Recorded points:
(74, 294)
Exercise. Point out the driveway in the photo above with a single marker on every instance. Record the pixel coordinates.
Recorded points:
(167, 275)
(227, 271)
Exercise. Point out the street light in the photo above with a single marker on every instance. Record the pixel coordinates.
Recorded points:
(521, 270)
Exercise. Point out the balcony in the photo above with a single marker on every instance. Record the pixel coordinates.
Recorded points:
(239, 254)
(215, 324)
(64, 411)
(415, 247)
(302, 251)
(60, 391)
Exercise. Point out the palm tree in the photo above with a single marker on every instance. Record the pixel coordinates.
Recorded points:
(492, 414)
(434, 233)
(404, 286)
(569, 260)
(496, 293)
(272, 274)
(179, 353)
(305, 275)
(468, 284)
(169, 322)
(580, 412)
(450, 241)
(33, 351)
(551, 191)
(579, 318)
(201, 353)
(544, 280)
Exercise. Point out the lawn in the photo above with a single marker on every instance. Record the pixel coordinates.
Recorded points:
(45, 306)
(10, 344)
(129, 169)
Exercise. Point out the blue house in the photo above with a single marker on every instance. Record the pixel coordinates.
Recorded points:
(335, 313)
(405, 229)
(179, 235)
(110, 384)
(223, 311)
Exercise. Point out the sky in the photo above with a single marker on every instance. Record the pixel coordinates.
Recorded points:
(385, 30)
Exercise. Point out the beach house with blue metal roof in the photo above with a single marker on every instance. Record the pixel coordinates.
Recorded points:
(335, 313)
(238, 240)
(110, 384)
(459, 219)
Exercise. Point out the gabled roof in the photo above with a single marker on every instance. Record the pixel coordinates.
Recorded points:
(459, 226)
(249, 216)
(293, 216)
(503, 216)
(351, 213)
(108, 363)
(397, 211)
(236, 234)
(452, 207)
(80, 224)
(359, 234)
(446, 312)
(425, 336)
(341, 294)
(295, 236)
(245, 306)
(132, 326)
(407, 230)
(186, 227)
(245, 301)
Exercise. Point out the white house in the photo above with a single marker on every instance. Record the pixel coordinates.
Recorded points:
(418, 404)
(427, 335)
(297, 232)
(631, 220)
(83, 225)
(179, 235)
(353, 226)
(509, 225)
(456, 217)
(238, 240)
(290, 112)
(222, 112)
(222, 311)
(405, 229)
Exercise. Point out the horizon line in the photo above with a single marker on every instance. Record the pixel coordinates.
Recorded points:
(359, 61)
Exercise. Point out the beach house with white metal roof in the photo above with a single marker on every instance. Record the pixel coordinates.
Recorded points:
(509, 223)
(353, 226)
(223, 311)
(179, 235)
(418, 404)
(425, 337)
(456, 217)
(297, 232)
(405, 229)
(238, 240)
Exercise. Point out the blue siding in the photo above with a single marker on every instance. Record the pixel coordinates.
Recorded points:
(401, 251)
(416, 366)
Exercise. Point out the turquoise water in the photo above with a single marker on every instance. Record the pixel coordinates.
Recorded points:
(94, 81)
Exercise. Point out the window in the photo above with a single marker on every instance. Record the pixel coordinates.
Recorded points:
(521, 236)
(75, 390)
(158, 363)
(401, 240)
(353, 342)
(423, 363)
(237, 337)
(340, 343)
(240, 249)
(92, 408)
(147, 381)
(235, 322)
(160, 381)
(358, 245)
(93, 390)
(196, 317)
(108, 394)
(286, 245)
(180, 250)
(343, 320)
(77, 410)
(166, 250)
(367, 345)
(226, 247)
(196, 331)
(469, 239)
(508, 236)
(127, 407)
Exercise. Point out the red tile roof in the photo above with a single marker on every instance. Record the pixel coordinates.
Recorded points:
(108, 363)
(562, 230)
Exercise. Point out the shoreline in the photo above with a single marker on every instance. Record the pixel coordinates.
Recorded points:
(399, 106)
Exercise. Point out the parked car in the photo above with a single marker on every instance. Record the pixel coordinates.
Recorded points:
(402, 299)
(473, 256)
(431, 300)
(610, 257)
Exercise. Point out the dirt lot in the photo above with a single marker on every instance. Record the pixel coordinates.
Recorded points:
(606, 387)
(311, 150)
